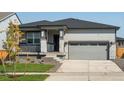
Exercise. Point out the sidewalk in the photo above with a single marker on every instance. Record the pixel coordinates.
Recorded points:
(85, 76)
(27, 73)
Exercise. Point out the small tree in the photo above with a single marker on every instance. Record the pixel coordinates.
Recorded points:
(14, 36)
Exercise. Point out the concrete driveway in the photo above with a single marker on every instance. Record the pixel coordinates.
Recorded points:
(87, 70)
(89, 66)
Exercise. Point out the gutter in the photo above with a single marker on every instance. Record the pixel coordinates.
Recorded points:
(18, 18)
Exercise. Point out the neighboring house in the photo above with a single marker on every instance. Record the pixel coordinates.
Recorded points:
(5, 18)
(120, 42)
(73, 39)
(120, 47)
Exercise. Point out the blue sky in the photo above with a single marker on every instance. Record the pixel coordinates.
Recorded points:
(112, 18)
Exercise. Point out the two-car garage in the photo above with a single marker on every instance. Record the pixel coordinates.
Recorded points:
(88, 50)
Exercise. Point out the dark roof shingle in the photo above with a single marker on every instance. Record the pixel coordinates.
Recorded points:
(119, 39)
(71, 23)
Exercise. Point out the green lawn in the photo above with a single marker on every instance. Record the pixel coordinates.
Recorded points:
(30, 67)
(24, 78)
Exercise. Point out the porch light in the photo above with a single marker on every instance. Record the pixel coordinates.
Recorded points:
(43, 33)
(61, 33)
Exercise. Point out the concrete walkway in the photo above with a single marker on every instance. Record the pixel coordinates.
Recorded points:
(78, 70)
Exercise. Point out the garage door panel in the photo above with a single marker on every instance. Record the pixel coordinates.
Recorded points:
(87, 52)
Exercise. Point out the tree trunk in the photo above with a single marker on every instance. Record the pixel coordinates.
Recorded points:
(25, 68)
(14, 65)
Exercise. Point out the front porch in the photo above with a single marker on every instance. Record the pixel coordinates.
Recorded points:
(43, 41)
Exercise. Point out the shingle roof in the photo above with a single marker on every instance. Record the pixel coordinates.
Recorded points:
(71, 23)
(5, 14)
(119, 39)
(36, 23)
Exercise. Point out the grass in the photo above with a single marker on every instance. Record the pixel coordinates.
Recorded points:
(24, 78)
(20, 67)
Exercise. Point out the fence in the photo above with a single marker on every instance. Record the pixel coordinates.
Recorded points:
(120, 52)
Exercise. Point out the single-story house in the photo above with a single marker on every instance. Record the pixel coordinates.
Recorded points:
(120, 47)
(74, 39)
(5, 18)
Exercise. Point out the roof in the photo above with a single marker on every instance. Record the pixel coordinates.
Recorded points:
(71, 23)
(119, 39)
(43, 22)
(5, 14)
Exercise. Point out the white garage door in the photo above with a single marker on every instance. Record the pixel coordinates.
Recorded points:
(88, 51)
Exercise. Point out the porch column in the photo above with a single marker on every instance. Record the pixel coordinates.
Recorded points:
(61, 41)
(43, 42)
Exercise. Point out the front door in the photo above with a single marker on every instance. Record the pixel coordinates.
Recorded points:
(56, 42)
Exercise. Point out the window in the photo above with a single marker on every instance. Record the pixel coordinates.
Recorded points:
(37, 38)
(93, 44)
(74, 44)
(30, 37)
(33, 38)
(119, 43)
(102, 43)
(122, 43)
(84, 44)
